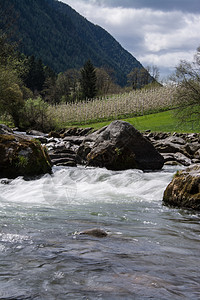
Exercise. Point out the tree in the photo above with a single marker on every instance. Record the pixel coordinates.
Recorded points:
(35, 75)
(187, 97)
(138, 78)
(73, 77)
(88, 81)
(11, 96)
(12, 68)
(103, 82)
(64, 87)
(153, 71)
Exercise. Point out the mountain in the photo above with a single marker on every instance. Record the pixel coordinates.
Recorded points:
(63, 39)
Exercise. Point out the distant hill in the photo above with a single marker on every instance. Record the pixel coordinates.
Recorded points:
(63, 39)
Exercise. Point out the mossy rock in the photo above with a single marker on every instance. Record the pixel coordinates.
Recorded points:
(20, 156)
(184, 190)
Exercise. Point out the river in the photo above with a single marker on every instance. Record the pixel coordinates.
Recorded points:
(151, 251)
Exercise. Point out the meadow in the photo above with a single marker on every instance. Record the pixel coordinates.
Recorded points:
(156, 122)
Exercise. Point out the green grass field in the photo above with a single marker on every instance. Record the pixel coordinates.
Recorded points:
(163, 122)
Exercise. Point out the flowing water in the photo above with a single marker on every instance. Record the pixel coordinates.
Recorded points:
(151, 251)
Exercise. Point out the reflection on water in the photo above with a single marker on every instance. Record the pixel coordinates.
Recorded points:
(151, 251)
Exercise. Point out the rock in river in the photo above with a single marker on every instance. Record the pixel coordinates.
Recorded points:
(20, 156)
(96, 232)
(184, 189)
(119, 146)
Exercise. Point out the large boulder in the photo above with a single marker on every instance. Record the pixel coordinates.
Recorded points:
(20, 156)
(119, 146)
(184, 190)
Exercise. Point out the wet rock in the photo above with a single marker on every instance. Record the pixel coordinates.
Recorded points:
(182, 159)
(175, 140)
(191, 148)
(5, 129)
(20, 156)
(54, 134)
(50, 146)
(197, 154)
(66, 162)
(165, 146)
(195, 161)
(62, 155)
(178, 158)
(74, 131)
(36, 133)
(6, 181)
(184, 189)
(77, 140)
(119, 146)
(96, 232)
(177, 147)
(172, 163)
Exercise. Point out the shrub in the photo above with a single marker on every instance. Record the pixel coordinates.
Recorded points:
(36, 115)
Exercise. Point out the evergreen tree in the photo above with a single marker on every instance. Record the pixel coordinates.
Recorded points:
(88, 81)
(35, 76)
(40, 78)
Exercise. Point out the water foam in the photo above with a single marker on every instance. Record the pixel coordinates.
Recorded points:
(85, 185)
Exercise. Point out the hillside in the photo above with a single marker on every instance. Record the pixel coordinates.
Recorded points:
(63, 39)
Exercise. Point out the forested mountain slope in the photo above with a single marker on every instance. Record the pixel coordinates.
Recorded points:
(63, 39)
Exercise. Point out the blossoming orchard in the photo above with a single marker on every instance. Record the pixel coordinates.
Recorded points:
(134, 103)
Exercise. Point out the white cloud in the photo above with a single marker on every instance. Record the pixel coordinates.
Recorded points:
(152, 36)
(167, 60)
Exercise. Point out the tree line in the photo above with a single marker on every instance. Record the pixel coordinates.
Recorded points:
(76, 85)
(27, 86)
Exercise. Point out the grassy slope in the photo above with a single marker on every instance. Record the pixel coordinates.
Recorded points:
(163, 121)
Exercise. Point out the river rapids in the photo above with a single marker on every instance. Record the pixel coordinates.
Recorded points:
(151, 251)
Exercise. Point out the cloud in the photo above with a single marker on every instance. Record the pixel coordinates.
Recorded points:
(166, 62)
(169, 5)
(154, 31)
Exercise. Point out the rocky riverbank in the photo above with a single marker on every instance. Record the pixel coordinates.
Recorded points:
(176, 149)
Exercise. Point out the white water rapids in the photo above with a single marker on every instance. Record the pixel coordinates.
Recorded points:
(151, 251)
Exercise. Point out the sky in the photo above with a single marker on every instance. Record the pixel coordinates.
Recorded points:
(155, 32)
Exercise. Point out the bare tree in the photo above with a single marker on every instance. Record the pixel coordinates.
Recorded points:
(153, 71)
(187, 97)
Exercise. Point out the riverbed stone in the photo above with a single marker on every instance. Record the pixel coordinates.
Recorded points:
(20, 156)
(5, 129)
(119, 146)
(36, 133)
(96, 232)
(77, 140)
(74, 131)
(184, 190)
